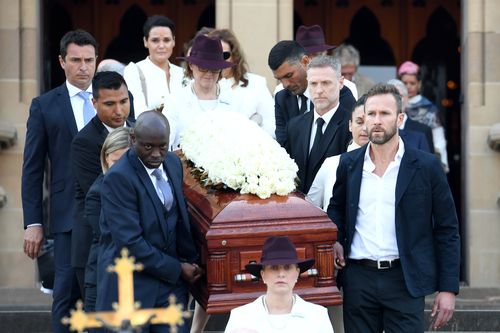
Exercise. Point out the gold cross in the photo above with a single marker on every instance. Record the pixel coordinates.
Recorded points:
(127, 312)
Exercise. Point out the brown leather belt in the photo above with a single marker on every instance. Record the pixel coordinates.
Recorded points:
(378, 264)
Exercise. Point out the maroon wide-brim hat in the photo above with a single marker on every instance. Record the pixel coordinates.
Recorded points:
(278, 250)
(312, 39)
(207, 53)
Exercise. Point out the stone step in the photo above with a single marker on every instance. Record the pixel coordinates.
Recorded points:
(28, 311)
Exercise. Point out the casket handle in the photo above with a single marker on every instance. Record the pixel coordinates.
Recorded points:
(246, 277)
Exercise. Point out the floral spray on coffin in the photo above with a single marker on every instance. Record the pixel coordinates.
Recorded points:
(228, 150)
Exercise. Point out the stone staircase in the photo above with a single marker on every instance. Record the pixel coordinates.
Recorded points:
(28, 311)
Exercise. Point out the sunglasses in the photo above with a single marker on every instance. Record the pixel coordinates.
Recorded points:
(226, 54)
(205, 70)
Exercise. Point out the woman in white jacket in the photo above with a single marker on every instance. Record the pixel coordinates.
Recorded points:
(251, 94)
(279, 310)
(153, 79)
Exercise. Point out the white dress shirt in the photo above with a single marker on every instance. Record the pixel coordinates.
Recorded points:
(375, 232)
(77, 103)
(156, 84)
(326, 117)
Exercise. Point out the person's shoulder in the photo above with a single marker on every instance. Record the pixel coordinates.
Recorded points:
(309, 306)
(255, 78)
(300, 121)
(49, 95)
(176, 69)
(246, 308)
(425, 159)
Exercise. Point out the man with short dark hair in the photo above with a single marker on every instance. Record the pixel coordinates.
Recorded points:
(55, 118)
(112, 104)
(397, 226)
(288, 61)
(323, 132)
(144, 210)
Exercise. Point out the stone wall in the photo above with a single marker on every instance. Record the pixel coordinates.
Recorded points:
(19, 23)
(481, 165)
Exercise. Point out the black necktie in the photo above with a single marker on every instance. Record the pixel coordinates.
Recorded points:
(317, 138)
(303, 104)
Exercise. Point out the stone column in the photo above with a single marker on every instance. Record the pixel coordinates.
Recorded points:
(481, 165)
(258, 25)
(19, 62)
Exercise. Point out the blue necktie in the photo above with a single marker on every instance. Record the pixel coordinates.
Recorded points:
(88, 108)
(165, 190)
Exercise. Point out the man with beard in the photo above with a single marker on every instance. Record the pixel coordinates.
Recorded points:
(398, 235)
(313, 136)
(144, 210)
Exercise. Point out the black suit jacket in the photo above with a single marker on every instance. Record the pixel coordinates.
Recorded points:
(85, 159)
(336, 138)
(286, 107)
(425, 218)
(413, 125)
(50, 129)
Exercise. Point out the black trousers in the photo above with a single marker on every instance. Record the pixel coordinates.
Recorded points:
(378, 300)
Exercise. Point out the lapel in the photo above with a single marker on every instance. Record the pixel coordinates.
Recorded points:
(306, 135)
(328, 136)
(150, 189)
(100, 128)
(66, 109)
(354, 175)
(292, 105)
(407, 169)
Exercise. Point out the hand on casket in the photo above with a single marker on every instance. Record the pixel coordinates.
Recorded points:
(191, 272)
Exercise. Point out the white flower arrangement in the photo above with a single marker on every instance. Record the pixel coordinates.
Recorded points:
(228, 149)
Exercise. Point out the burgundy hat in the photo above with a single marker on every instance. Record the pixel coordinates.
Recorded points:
(207, 53)
(278, 250)
(312, 39)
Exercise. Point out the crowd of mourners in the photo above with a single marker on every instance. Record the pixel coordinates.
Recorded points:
(373, 156)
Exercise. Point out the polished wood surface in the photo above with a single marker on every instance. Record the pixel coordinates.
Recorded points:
(231, 230)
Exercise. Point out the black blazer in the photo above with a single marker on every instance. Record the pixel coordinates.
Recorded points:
(335, 140)
(85, 159)
(413, 125)
(133, 216)
(425, 217)
(415, 140)
(50, 129)
(286, 108)
(92, 214)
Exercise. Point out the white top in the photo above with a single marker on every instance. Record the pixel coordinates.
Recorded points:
(77, 103)
(304, 317)
(375, 232)
(347, 83)
(254, 100)
(155, 80)
(321, 190)
(184, 107)
(326, 117)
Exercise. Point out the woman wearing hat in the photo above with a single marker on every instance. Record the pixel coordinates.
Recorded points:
(421, 109)
(153, 79)
(204, 66)
(251, 95)
(279, 310)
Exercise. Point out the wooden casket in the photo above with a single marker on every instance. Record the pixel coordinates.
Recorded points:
(231, 230)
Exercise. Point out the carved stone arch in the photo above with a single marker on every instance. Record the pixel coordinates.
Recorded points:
(365, 36)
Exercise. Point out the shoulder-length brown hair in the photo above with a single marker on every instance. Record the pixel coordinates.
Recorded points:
(240, 67)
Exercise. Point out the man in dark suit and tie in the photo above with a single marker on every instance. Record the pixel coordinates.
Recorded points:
(288, 61)
(397, 228)
(324, 132)
(111, 101)
(55, 118)
(144, 210)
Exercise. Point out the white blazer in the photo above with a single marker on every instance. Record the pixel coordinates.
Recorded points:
(321, 190)
(305, 317)
(254, 100)
(155, 79)
(184, 107)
